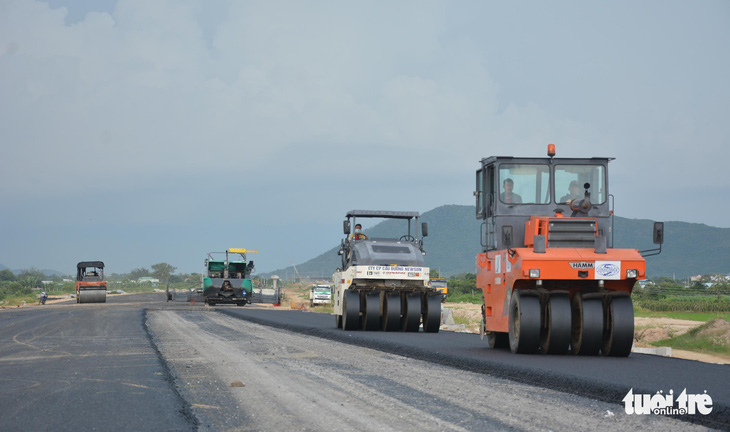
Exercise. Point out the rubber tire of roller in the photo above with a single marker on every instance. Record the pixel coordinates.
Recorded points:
(524, 323)
(371, 315)
(587, 325)
(391, 319)
(351, 310)
(411, 313)
(498, 340)
(432, 314)
(618, 331)
(555, 337)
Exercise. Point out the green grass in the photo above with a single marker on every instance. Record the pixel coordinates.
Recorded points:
(477, 298)
(328, 309)
(463, 320)
(696, 298)
(15, 300)
(693, 316)
(694, 341)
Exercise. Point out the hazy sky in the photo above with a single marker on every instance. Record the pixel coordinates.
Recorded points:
(137, 132)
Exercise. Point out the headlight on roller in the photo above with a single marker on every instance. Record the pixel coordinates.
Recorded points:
(632, 273)
(534, 273)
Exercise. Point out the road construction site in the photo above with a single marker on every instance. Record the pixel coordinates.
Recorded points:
(139, 362)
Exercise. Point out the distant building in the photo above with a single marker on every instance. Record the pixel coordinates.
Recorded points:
(148, 280)
(710, 278)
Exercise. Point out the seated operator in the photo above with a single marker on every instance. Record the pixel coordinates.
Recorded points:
(508, 196)
(573, 192)
(358, 233)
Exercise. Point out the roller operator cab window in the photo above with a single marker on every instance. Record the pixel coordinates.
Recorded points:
(570, 182)
(524, 184)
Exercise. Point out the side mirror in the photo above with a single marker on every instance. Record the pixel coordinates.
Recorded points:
(424, 229)
(658, 233)
(346, 227)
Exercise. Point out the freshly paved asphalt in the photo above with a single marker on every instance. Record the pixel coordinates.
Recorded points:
(81, 367)
(603, 378)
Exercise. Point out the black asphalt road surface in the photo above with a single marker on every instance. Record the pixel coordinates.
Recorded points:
(602, 378)
(84, 367)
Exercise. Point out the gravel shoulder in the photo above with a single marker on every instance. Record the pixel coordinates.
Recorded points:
(238, 375)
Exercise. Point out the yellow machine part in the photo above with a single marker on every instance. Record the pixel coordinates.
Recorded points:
(239, 250)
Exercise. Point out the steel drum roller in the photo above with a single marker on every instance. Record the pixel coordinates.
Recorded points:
(92, 296)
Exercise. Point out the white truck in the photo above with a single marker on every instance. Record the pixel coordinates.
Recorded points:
(383, 282)
(320, 294)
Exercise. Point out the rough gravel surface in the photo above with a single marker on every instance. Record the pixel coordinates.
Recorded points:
(238, 375)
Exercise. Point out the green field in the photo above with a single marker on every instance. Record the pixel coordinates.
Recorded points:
(693, 316)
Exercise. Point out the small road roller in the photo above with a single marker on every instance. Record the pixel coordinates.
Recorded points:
(90, 283)
(383, 282)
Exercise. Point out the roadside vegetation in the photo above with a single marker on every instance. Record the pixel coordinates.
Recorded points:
(692, 316)
(25, 287)
(712, 337)
(20, 289)
(711, 294)
(463, 289)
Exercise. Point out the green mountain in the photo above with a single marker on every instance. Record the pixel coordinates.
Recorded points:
(453, 243)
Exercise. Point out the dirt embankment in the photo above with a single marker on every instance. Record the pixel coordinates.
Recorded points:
(648, 330)
(718, 332)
